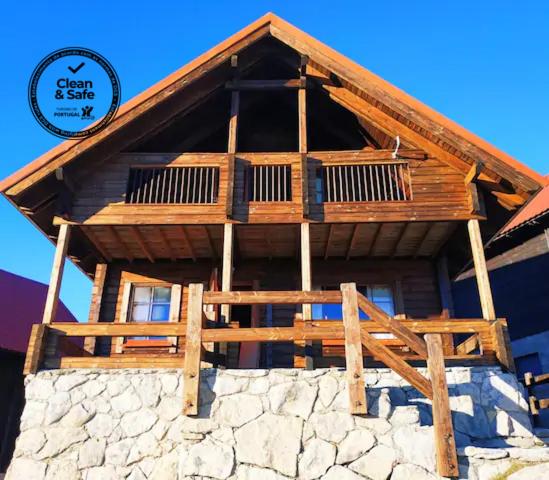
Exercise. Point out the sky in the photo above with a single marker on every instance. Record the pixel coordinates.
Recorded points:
(484, 64)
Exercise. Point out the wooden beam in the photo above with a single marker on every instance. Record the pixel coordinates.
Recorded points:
(232, 143)
(211, 245)
(35, 349)
(445, 444)
(227, 268)
(473, 173)
(393, 326)
(353, 350)
(166, 243)
(278, 297)
(193, 348)
(352, 242)
(481, 271)
(187, 242)
(302, 126)
(95, 305)
(118, 239)
(421, 243)
(374, 240)
(97, 243)
(502, 344)
(446, 301)
(141, 241)
(288, 84)
(306, 283)
(393, 361)
(52, 298)
(399, 238)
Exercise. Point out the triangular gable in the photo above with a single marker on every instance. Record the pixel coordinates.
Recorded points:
(424, 126)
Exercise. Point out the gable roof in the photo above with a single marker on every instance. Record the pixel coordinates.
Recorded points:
(421, 118)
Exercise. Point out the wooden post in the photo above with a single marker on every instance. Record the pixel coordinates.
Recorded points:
(35, 350)
(232, 143)
(446, 302)
(353, 350)
(481, 272)
(306, 285)
(95, 305)
(193, 349)
(502, 344)
(445, 444)
(302, 123)
(226, 278)
(52, 299)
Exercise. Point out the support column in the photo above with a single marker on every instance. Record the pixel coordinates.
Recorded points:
(481, 272)
(306, 285)
(52, 299)
(226, 278)
(446, 302)
(95, 305)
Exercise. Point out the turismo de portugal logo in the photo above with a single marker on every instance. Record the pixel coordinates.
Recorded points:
(74, 93)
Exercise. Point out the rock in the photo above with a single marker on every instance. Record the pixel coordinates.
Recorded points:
(270, 441)
(26, 469)
(33, 415)
(39, 389)
(376, 464)
(317, 458)
(332, 426)
(146, 445)
(469, 417)
(136, 474)
(68, 381)
(119, 384)
(29, 442)
(379, 403)
(169, 408)
(407, 471)
(535, 472)
(92, 453)
(416, 445)
(139, 422)
(149, 390)
(246, 472)
(327, 390)
(258, 386)
(101, 425)
(224, 435)
(540, 454)
(379, 426)
(165, 467)
(247, 373)
(182, 425)
(58, 405)
(79, 415)
(209, 459)
(107, 472)
(169, 383)
(226, 384)
(355, 444)
(59, 439)
(407, 415)
(293, 398)
(485, 453)
(338, 472)
(93, 388)
(117, 453)
(127, 402)
(488, 470)
(236, 410)
(63, 470)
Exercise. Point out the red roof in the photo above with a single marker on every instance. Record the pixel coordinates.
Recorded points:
(537, 206)
(21, 305)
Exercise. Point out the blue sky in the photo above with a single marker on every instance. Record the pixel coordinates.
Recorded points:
(483, 64)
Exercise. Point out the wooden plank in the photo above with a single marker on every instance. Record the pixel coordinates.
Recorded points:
(175, 311)
(353, 350)
(193, 347)
(481, 271)
(141, 241)
(35, 349)
(117, 361)
(352, 242)
(52, 298)
(467, 346)
(393, 326)
(306, 283)
(95, 304)
(118, 239)
(445, 444)
(393, 361)
(292, 83)
(124, 312)
(166, 243)
(187, 242)
(502, 344)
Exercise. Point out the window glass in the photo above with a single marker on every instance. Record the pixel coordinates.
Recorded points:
(150, 304)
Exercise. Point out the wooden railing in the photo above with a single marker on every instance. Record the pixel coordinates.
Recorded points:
(536, 404)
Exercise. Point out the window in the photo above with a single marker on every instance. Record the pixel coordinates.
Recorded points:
(270, 183)
(150, 304)
(381, 295)
(173, 185)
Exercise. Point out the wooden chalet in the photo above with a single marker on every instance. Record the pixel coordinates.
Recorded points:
(235, 211)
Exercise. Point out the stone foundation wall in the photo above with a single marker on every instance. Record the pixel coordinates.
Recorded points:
(259, 424)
